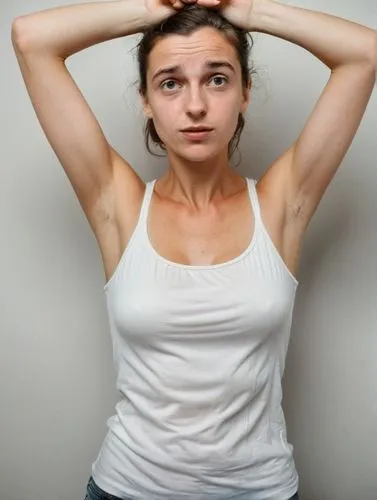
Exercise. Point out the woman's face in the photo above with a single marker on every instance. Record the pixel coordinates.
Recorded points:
(195, 93)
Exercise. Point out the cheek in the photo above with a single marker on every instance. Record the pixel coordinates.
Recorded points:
(165, 120)
(164, 112)
(227, 111)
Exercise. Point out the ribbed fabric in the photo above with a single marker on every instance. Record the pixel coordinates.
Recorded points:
(199, 353)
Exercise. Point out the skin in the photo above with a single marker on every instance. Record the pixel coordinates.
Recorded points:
(199, 192)
(196, 95)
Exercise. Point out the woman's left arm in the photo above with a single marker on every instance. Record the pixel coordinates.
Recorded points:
(350, 51)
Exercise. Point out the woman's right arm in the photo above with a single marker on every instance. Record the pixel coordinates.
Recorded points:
(42, 42)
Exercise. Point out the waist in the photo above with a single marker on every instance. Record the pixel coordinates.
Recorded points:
(191, 433)
(142, 465)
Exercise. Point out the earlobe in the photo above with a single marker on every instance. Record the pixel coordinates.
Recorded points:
(244, 106)
(246, 99)
(146, 107)
(147, 111)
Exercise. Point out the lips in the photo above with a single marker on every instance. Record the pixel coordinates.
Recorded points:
(197, 129)
(196, 134)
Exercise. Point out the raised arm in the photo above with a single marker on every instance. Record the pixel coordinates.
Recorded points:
(349, 50)
(42, 42)
(297, 180)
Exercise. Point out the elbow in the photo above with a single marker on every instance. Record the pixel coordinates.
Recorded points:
(23, 34)
(372, 52)
(18, 33)
(374, 57)
(375, 51)
(367, 60)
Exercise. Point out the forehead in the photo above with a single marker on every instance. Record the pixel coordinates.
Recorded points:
(201, 45)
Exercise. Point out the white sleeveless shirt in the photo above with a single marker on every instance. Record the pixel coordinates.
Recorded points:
(199, 353)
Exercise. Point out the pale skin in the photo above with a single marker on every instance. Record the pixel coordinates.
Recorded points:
(200, 213)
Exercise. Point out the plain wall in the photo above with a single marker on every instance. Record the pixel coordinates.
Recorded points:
(57, 382)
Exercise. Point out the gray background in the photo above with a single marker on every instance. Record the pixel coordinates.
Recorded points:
(56, 376)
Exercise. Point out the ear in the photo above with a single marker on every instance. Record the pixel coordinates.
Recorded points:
(246, 94)
(145, 104)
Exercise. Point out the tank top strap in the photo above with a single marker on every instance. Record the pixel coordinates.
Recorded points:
(254, 199)
(146, 201)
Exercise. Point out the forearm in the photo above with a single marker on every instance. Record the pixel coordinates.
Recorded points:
(333, 40)
(63, 31)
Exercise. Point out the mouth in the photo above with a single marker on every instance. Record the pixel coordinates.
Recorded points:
(196, 133)
(197, 129)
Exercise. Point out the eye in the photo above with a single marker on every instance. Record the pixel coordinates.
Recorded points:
(219, 80)
(168, 85)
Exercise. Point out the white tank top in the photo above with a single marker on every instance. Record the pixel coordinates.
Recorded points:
(199, 353)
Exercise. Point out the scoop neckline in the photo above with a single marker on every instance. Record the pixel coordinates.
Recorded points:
(198, 267)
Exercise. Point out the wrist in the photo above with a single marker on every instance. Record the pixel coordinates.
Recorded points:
(136, 14)
(150, 16)
(260, 15)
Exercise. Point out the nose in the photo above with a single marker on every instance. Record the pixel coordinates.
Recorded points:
(196, 106)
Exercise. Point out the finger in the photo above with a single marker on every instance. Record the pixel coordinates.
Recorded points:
(177, 4)
(208, 3)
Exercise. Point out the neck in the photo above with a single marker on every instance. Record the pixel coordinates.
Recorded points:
(198, 184)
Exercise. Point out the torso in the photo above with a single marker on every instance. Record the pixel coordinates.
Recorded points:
(206, 239)
(213, 237)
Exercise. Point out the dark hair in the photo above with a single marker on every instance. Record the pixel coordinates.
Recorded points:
(185, 22)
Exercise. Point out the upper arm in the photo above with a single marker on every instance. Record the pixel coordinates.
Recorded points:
(294, 184)
(71, 129)
(329, 132)
(304, 171)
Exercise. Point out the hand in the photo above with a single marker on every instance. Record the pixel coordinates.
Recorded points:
(239, 12)
(159, 10)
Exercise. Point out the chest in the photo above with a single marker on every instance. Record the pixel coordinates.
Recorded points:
(227, 303)
(217, 235)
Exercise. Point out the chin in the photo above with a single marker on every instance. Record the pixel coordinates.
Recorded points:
(199, 153)
(197, 158)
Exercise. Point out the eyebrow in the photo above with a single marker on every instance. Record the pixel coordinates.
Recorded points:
(170, 70)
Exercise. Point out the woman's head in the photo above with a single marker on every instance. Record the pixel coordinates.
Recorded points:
(194, 72)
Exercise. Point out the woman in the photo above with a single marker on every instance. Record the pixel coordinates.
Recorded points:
(201, 263)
